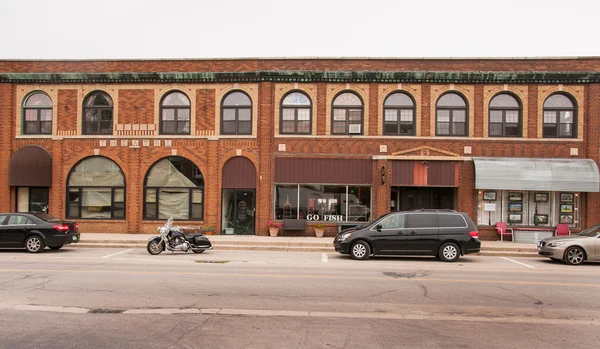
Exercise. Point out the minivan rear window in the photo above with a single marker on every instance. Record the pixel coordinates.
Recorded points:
(451, 221)
(422, 220)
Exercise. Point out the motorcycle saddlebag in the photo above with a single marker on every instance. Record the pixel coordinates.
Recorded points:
(201, 241)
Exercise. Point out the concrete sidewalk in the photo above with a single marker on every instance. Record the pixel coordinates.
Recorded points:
(280, 243)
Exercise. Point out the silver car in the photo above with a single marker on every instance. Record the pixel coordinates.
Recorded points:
(573, 249)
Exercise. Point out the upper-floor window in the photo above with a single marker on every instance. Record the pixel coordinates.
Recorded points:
(505, 116)
(296, 111)
(347, 114)
(399, 115)
(175, 114)
(236, 114)
(98, 114)
(560, 118)
(37, 113)
(451, 116)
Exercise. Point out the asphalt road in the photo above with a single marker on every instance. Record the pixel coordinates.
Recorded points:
(110, 298)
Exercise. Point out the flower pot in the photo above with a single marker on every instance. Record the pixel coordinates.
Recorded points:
(273, 231)
(319, 232)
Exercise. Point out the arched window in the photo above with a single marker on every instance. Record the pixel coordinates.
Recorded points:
(37, 113)
(174, 187)
(96, 190)
(505, 116)
(347, 114)
(399, 115)
(295, 114)
(451, 116)
(98, 114)
(560, 118)
(175, 114)
(236, 114)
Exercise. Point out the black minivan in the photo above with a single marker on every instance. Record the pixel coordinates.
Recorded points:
(446, 234)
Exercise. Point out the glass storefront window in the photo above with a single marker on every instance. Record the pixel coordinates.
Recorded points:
(328, 202)
(528, 208)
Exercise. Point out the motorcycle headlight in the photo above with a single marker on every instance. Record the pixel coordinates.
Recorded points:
(344, 236)
(556, 243)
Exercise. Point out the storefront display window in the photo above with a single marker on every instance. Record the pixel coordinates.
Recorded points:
(323, 202)
(528, 208)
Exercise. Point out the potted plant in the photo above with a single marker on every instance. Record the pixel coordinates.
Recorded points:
(319, 230)
(274, 227)
(209, 229)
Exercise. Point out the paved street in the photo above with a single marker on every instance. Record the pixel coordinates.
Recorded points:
(125, 298)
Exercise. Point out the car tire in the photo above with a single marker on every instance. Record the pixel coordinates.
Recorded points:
(56, 247)
(574, 255)
(449, 252)
(360, 250)
(198, 250)
(34, 244)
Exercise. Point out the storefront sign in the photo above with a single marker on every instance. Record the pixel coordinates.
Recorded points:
(327, 217)
(489, 207)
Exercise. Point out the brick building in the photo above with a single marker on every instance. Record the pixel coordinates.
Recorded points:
(120, 145)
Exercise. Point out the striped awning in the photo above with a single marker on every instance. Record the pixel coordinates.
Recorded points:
(537, 174)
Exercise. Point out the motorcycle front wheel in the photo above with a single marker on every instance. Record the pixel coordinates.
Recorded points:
(155, 247)
(198, 251)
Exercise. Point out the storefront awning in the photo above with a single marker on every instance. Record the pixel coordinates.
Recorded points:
(537, 174)
(30, 166)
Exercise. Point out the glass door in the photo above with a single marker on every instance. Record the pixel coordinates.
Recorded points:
(32, 199)
(238, 212)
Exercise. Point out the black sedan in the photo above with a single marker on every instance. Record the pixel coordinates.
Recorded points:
(35, 231)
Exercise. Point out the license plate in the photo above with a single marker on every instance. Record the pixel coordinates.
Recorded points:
(74, 238)
(539, 248)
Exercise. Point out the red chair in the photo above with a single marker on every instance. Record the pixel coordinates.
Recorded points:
(562, 230)
(503, 230)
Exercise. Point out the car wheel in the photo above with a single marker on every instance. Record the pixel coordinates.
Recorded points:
(360, 250)
(449, 252)
(574, 255)
(198, 251)
(56, 247)
(34, 244)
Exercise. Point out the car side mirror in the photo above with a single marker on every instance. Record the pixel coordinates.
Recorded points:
(378, 227)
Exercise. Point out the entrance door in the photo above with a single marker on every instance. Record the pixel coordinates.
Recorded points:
(32, 199)
(414, 198)
(238, 210)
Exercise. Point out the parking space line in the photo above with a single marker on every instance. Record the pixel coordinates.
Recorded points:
(324, 258)
(114, 254)
(512, 260)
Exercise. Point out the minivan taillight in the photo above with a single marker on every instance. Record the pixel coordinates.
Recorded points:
(474, 234)
(61, 227)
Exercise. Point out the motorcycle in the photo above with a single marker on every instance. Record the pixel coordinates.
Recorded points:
(173, 239)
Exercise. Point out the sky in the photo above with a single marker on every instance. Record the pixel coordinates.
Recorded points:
(129, 29)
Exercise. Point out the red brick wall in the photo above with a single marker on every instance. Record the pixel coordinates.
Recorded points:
(136, 107)
(66, 115)
(6, 136)
(205, 110)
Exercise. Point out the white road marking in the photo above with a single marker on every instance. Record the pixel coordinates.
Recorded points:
(512, 260)
(324, 258)
(114, 254)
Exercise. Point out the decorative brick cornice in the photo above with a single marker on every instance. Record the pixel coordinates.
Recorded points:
(309, 76)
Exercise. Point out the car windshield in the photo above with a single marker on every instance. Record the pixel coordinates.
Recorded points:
(593, 231)
(46, 217)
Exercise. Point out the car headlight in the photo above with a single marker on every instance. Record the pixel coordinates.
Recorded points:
(344, 236)
(556, 243)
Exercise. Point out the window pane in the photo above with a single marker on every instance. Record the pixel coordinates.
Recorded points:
(391, 115)
(38, 100)
(504, 101)
(244, 127)
(496, 129)
(303, 126)
(96, 203)
(550, 130)
(558, 101)
(286, 202)
(73, 203)
(119, 210)
(458, 128)
(237, 99)
(459, 116)
(183, 127)
(31, 127)
(46, 114)
(151, 195)
(296, 98)
(566, 130)
(443, 115)
(229, 127)
(421, 220)
(339, 114)
(339, 127)
(46, 127)
(244, 115)
(176, 99)
(31, 114)
(406, 115)
(451, 100)
(97, 171)
(443, 128)
(151, 210)
(303, 114)
(393, 222)
(566, 117)
(99, 99)
(355, 114)
(406, 129)
(197, 196)
(173, 202)
(390, 128)
(512, 116)
(287, 127)
(168, 114)
(347, 99)
(549, 117)
(168, 126)
(287, 114)
(198, 211)
(359, 204)
(228, 114)
(495, 116)
(451, 221)
(399, 99)
(512, 130)
(183, 114)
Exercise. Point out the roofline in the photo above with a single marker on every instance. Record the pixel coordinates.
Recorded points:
(315, 58)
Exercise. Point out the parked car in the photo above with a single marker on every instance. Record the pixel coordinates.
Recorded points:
(35, 231)
(446, 234)
(573, 249)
